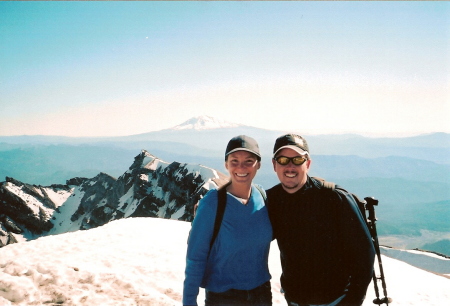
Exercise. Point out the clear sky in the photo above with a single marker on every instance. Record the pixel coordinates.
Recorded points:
(122, 68)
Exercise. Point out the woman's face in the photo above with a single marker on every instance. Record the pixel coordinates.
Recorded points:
(242, 166)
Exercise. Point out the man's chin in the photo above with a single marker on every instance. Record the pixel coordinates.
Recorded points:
(290, 186)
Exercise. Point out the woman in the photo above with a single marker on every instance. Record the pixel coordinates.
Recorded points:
(234, 270)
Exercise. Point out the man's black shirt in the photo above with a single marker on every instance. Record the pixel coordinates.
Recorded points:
(325, 247)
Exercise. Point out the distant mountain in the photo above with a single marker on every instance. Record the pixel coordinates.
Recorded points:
(204, 123)
(212, 139)
(48, 164)
(56, 163)
(441, 246)
(431, 147)
(408, 175)
(211, 134)
(150, 188)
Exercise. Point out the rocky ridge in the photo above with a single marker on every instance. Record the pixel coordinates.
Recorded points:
(150, 187)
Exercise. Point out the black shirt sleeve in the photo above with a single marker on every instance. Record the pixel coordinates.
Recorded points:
(360, 249)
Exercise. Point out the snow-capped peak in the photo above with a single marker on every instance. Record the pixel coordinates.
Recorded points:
(204, 123)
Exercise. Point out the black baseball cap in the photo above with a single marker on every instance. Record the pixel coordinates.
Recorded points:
(291, 141)
(243, 143)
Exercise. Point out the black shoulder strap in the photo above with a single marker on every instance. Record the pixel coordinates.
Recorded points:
(332, 186)
(361, 205)
(221, 203)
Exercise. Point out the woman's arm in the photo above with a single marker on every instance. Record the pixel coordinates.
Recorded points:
(199, 247)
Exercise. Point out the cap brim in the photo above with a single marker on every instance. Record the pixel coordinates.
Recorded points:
(295, 148)
(243, 149)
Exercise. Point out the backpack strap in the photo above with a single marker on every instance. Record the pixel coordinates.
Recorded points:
(361, 205)
(263, 193)
(332, 186)
(221, 204)
(325, 184)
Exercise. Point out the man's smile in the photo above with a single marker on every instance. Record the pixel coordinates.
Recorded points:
(290, 174)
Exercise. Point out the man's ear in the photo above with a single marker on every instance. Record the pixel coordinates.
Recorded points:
(274, 163)
(308, 164)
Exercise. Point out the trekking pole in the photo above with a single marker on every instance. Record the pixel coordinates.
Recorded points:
(370, 203)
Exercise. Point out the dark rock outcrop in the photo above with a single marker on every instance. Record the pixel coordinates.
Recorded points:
(150, 188)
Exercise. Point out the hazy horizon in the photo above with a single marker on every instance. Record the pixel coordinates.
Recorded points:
(90, 69)
(369, 135)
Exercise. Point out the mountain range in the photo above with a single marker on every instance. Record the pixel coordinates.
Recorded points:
(410, 176)
(149, 188)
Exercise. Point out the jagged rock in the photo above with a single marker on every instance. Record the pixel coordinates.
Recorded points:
(10, 225)
(5, 236)
(7, 239)
(12, 239)
(151, 187)
(3, 230)
(25, 205)
(3, 240)
(76, 181)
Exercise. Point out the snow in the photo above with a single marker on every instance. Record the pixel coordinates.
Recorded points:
(204, 123)
(39, 191)
(210, 185)
(34, 204)
(62, 222)
(151, 162)
(140, 261)
(201, 170)
(179, 213)
(130, 207)
(423, 260)
(57, 197)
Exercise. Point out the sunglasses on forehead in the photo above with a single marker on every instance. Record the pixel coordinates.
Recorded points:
(297, 160)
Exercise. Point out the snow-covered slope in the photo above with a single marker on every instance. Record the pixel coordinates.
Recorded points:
(425, 260)
(140, 261)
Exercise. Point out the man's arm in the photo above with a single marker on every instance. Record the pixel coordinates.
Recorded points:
(360, 249)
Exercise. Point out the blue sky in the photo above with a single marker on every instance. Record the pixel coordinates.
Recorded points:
(122, 68)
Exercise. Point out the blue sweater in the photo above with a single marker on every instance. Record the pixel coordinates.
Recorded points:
(239, 256)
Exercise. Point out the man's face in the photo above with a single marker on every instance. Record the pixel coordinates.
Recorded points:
(291, 177)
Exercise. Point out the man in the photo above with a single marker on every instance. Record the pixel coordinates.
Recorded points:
(326, 250)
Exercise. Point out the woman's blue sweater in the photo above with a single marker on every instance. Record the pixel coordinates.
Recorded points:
(239, 256)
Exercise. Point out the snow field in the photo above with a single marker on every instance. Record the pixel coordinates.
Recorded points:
(140, 261)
